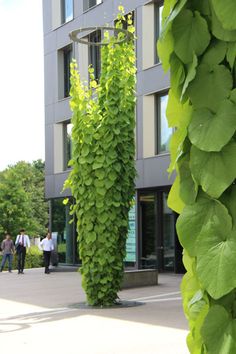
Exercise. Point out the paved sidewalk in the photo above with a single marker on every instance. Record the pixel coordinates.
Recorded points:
(38, 310)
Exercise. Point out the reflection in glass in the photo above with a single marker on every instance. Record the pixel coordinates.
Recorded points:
(164, 132)
(148, 230)
(168, 235)
(158, 28)
(66, 10)
(68, 145)
(64, 231)
(67, 53)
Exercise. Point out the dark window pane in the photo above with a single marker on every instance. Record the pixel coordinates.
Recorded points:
(168, 235)
(67, 144)
(66, 10)
(158, 16)
(90, 3)
(148, 230)
(95, 53)
(67, 61)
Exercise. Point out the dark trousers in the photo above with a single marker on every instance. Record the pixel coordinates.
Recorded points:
(46, 256)
(21, 258)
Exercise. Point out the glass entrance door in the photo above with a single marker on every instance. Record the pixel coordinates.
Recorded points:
(156, 232)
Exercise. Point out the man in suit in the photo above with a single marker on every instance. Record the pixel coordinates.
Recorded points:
(22, 241)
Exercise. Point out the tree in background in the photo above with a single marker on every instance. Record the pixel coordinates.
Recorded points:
(22, 201)
(198, 43)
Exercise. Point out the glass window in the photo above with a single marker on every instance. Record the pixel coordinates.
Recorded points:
(67, 145)
(67, 54)
(95, 53)
(168, 234)
(91, 3)
(157, 21)
(63, 232)
(148, 252)
(164, 133)
(66, 10)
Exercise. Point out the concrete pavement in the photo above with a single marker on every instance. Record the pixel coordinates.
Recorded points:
(40, 310)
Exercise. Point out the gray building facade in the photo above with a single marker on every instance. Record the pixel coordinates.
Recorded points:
(152, 242)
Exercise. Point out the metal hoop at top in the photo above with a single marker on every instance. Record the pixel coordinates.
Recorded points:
(73, 35)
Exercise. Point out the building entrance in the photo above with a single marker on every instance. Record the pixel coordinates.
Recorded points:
(159, 247)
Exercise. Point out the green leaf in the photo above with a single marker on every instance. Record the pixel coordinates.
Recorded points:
(214, 171)
(229, 200)
(219, 32)
(191, 35)
(212, 131)
(231, 54)
(216, 260)
(215, 54)
(188, 187)
(218, 331)
(165, 48)
(174, 201)
(173, 14)
(225, 11)
(210, 86)
(191, 69)
(200, 216)
(177, 73)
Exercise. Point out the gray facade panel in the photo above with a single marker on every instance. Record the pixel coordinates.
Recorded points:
(139, 128)
(49, 187)
(47, 16)
(58, 185)
(49, 150)
(152, 80)
(152, 172)
(62, 110)
(50, 74)
(50, 42)
(49, 114)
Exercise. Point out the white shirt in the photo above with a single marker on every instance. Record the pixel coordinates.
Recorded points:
(47, 244)
(23, 239)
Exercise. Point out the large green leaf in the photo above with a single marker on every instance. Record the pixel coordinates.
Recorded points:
(229, 200)
(165, 48)
(200, 216)
(178, 114)
(174, 201)
(219, 32)
(214, 171)
(231, 54)
(212, 131)
(218, 331)
(211, 85)
(191, 35)
(174, 11)
(191, 73)
(216, 53)
(177, 73)
(188, 187)
(226, 12)
(216, 260)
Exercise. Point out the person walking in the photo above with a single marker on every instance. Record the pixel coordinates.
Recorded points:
(8, 248)
(22, 242)
(48, 247)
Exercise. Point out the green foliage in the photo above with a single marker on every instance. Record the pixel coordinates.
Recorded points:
(22, 199)
(102, 178)
(201, 56)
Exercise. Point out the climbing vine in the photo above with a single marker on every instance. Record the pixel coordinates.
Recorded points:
(198, 44)
(103, 170)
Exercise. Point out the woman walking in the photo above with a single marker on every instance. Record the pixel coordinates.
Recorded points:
(8, 248)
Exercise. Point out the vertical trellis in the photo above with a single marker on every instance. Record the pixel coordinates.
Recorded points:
(198, 44)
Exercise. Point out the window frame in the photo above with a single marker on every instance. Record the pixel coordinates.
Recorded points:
(67, 51)
(63, 12)
(87, 7)
(157, 27)
(158, 123)
(95, 52)
(66, 167)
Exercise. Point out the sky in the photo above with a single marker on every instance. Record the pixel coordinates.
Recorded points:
(21, 82)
